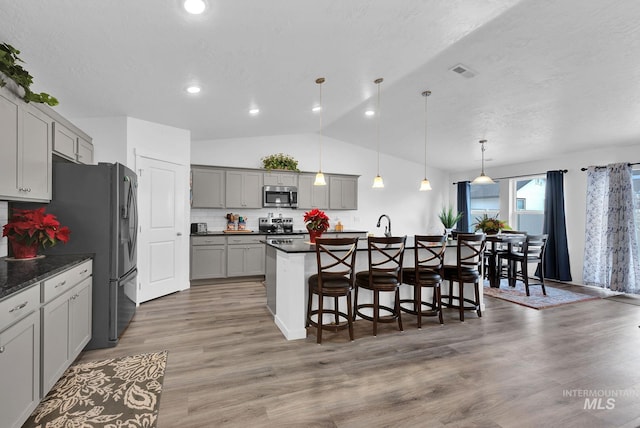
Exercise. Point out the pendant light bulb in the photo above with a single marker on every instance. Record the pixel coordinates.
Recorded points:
(320, 181)
(424, 184)
(377, 182)
(482, 178)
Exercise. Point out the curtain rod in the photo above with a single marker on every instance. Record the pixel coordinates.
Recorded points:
(600, 166)
(526, 175)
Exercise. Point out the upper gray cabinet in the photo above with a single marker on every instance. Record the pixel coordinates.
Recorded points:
(343, 192)
(25, 143)
(70, 145)
(207, 187)
(243, 189)
(310, 196)
(280, 178)
(84, 153)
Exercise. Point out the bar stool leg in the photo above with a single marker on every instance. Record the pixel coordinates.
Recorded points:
(397, 308)
(319, 328)
(350, 316)
(461, 296)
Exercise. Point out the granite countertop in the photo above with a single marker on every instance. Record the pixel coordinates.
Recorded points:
(294, 232)
(16, 275)
(301, 246)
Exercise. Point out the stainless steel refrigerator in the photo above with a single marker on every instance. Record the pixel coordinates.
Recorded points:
(98, 203)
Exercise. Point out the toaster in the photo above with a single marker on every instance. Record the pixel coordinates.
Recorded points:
(198, 227)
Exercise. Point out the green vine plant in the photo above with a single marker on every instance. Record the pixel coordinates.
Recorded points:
(280, 161)
(10, 67)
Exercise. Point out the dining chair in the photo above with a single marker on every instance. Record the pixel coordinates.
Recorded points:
(427, 272)
(532, 252)
(335, 259)
(469, 254)
(386, 256)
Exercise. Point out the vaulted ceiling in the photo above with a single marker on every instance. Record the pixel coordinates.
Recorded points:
(549, 76)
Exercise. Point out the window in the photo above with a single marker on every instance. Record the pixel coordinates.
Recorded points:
(484, 199)
(529, 204)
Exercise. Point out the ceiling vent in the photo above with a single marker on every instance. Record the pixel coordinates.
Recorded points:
(463, 70)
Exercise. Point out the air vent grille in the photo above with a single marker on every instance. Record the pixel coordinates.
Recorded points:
(463, 70)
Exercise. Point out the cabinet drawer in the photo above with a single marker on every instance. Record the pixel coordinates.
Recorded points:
(18, 306)
(54, 286)
(254, 239)
(208, 240)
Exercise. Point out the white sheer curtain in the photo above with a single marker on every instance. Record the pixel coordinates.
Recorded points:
(611, 257)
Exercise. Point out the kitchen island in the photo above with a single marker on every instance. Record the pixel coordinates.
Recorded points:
(290, 264)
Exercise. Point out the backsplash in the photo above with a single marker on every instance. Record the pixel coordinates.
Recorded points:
(4, 218)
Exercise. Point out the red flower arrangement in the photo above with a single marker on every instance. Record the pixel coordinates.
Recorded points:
(316, 220)
(34, 227)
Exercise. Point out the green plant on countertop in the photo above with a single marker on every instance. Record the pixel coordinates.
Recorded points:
(280, 161)
(448, 218)
(11, 69)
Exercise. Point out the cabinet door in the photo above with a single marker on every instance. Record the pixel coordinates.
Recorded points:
(208, 188)
(343, 193)
(310, 196)
(35, 164)
(80, 318)
(64, 141)
(55, 341)
(253, 190)
(254, 259)
(235, 260)
(19, 371)
(9, 146)
(208, 261)
(85, 151)
(280, 179)
(243, 189)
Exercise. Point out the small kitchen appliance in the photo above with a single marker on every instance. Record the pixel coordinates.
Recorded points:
(275, 225)
(198, 227)
(280, 197)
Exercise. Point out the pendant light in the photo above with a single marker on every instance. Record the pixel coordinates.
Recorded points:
(424, 184)
(377, 182)
(320, 181)
(482, 178)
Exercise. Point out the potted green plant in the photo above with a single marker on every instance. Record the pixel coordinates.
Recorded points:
(10, 68)
(449, 219)
(280, 161)
(490, 225)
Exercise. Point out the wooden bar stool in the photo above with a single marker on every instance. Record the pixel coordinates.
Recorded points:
(532, 251)
(384, 275)
(470, 251)
(336, 258)
(427, 272)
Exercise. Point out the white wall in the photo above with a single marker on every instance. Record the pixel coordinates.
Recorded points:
(411, 211)
(575, 188)
(109, 136)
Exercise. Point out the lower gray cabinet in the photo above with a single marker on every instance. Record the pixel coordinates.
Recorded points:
(20, 370)
(208, 257)
(245, 256)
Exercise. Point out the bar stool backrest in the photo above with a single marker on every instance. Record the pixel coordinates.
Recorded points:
(386, 255)
(429, 253)
(534, 247)
(470, 250)
(336, 257)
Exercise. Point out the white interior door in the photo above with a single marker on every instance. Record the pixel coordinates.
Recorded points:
(161, 193)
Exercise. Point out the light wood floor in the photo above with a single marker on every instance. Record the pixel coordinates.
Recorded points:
(229, 366)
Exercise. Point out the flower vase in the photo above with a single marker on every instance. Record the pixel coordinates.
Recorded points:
(24, 251)
(313, 235)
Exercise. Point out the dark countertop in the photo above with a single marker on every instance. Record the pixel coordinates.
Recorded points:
(302, 246)
(16, 275)
(295, 232)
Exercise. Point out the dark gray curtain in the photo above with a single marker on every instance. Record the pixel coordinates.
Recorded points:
(464, 206)
(556, 260)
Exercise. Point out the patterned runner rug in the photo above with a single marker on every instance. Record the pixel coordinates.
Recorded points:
(118, 392)
(554, 297)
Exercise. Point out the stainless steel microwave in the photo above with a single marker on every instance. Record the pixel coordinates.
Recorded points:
(280, 197)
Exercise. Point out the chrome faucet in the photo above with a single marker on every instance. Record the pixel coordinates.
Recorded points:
(387, 230)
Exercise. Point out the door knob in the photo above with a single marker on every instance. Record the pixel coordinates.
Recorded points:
(179, 234)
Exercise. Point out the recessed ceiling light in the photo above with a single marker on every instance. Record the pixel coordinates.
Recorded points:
(195, 7)
(193, 89)
(316, 108)
(369, 113)
(254, 111)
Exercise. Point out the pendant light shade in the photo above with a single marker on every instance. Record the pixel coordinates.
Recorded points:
(482, 178)
(377, 182)
(425, 184)
(320, 181)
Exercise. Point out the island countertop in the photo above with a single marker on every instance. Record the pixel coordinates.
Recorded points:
(282, 235)
(16, 275)
(301, 246)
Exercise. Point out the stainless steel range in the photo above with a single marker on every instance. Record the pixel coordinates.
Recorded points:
(275, 225)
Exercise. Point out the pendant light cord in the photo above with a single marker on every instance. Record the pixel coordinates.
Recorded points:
(378, 81)
(426, 96)
(482, 149)
(321, 107)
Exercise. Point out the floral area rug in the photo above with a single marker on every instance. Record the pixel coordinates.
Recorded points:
(119, 392)
(554, 297)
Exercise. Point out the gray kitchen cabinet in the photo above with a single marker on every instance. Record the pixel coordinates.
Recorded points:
(343, 192)
(25, 143)
(84, 152)
(64, 142)
(66, 321)
(243, 189)
(280, 178)
(208, 187)
(245, 256)
(208, 257)
(310, 196)
(19, 356)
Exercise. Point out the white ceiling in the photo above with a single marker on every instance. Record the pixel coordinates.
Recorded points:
(552, 76)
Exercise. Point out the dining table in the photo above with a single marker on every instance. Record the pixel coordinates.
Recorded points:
(495, 244)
